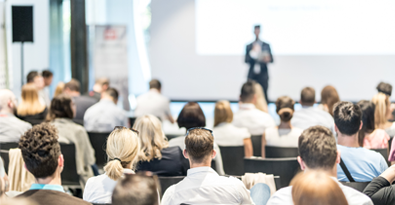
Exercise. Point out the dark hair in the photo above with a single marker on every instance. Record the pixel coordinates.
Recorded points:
(329, 96)
(368, 125)
(347, 117)
(40, 150)
(60, 108)
(47, 74)
(317, 147)
(154, 83)
(247, 91)
(113, 93)
(257, 27)
(285, 102)
(31, 75)
(199, 144)
(73, 85)
(136, 189)
(191, 115)
(307, 96)
(385, 88)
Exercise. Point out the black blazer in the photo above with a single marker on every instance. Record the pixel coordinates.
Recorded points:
(251, 61)
(380, 191)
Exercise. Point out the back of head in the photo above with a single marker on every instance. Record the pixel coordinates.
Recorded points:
(315, 187)
(247, 92)
(307, 96)
(368, 125)
(122, 150)
(72, 85)
(136, 189)
(382, 103)
(222, 112)
(199, 144)
(5, 97)
(30, 103)
(47, 73)
(317, 148)
(155, 84)
(385, 88)
(191, 115)
(329, 97)
(40, 150)
(152, 138)
(61, 108)
(347, 117)
(59, 89)
(285, 108)
(31, 76)
(113, 93)
(103, 83)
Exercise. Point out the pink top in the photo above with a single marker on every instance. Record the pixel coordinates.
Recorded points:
(378, 139)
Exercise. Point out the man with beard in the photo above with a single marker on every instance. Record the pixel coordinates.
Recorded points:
(11, 128)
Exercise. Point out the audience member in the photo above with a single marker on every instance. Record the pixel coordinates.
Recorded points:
(11, 128)
(318, 152)
(383, 113)
(61, 113)
(154, 103)
(2, 189)
(123, 148)
(284, 135)
(101, 85)
(82, 103)
(380, 189)
(30, 109)
(190, 116)
(248, 116)
(48, 78)
(156, 156)
(329, 97)
(362, 164)
(34, 78)
(385, 88)
(260, 102)
(315, 187)
(226, 134)
(59, 89)
(105, 115)
(369, 136)
(43, 158)
(309, 115)
(201, 180)
(138, 189)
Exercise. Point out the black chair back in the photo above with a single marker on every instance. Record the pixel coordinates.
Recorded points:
(99, 143)
(233, 160)
(360, 186)
(7, 146)
(281, 152)
(285, 168)
(257, 145)
(166, 182)
(69, 175)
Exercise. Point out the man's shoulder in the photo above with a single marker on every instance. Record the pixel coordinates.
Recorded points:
(51, 197)
(355, 197)
(281, 196)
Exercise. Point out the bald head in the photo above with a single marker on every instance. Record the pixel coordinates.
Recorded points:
(7, 101)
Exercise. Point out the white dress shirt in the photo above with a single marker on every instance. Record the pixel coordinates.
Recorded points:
(226, 134)
(203, 185)
(153, 103)
(311, 116)
(253, 119)
(282, 137)
(354, 197)
(12, 128)
(99, 189)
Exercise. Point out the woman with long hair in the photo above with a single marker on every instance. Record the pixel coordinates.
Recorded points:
(383, 113)
(156, 156)
(329, 97)
(30, 109)
(123, 148)
(260, 102)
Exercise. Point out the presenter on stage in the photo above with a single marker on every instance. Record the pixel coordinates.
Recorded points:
(258, 55)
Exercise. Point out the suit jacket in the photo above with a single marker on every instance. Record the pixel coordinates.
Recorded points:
(49, 197)
(251, 61)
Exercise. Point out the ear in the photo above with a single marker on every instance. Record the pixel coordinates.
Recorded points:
(336, 129)
(338, 157)
(360, 126)
(301, 163)
(214, 154)
(10, 104)
(61, 161)
(185, 153)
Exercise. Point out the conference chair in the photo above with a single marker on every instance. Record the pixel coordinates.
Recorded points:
(384, 153)
(99, 143)
(281, 152)
(5, 146)
(257, 145)
(233, 159)
(166, 182)
(70, 177)
(360, 186)
(285, 168)
(132, 120)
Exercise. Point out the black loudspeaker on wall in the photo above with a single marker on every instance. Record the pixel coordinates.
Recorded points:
(22, 28)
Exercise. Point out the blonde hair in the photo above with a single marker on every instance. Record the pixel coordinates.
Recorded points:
(260, 103)
(59, 89)
(152, 138)
(381, 101)
(315, 187)
(222, 112)
(30, 103)
(123, 147)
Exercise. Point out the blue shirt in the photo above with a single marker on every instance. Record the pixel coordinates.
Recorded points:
(53, 187)
(363, 164)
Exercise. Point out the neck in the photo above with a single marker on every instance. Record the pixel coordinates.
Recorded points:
(74, 94)
(285, 125)
(347, 140)
(104, 97)
(6, 111)
(330, 172)
(49, 180)
(206, 163)
(257, 38)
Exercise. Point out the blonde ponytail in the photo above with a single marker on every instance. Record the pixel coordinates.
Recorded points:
(114, 169)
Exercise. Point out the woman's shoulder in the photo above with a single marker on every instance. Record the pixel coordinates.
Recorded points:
(380, 132)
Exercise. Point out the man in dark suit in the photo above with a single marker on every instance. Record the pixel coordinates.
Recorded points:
(258, 55)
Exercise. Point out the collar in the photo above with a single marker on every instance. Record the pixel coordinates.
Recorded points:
(128, 171)
(247, 106)
(52, 187)
(63, 120)
(154, 90)
(306, 107)
(106, 101)
(196, 170)
(6, 115)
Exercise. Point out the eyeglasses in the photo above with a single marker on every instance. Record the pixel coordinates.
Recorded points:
(122, 127)
(202, 128)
